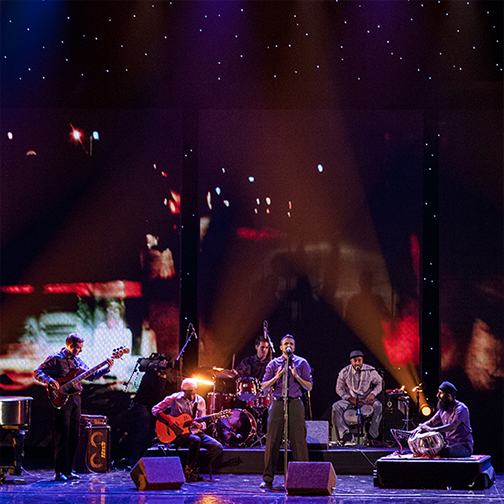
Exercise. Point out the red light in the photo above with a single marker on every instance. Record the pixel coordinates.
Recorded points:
(76, 135)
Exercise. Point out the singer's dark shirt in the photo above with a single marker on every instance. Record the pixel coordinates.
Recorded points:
(303, 369)
(252, 367)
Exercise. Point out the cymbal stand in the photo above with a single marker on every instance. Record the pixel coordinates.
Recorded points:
(212, 407)
(260, 434)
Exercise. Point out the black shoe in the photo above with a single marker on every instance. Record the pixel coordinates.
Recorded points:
(266, 485)
(60, 477)
(191, 476)
(348, 439)
(72, 476)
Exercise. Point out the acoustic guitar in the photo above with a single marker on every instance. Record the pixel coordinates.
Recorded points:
(169, 427)
(70, 384)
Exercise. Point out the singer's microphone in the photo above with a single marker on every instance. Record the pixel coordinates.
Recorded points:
(238, 435)
(288, 350)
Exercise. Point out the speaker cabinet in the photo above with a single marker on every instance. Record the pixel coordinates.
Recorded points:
(93, 450)
(317, 434)
(310, 478)
(158, 473)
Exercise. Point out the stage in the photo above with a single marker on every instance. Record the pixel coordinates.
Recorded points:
(236, 478)
(117, 487)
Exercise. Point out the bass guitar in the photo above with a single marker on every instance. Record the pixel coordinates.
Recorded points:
(169, 427)
(70, 384)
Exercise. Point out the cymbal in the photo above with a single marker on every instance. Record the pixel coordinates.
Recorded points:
(218, 372)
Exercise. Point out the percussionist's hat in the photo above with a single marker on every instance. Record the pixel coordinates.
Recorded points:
(356, 353)
(448, 388)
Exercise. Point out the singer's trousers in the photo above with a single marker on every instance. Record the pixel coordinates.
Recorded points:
(296, 435)
(338, 411)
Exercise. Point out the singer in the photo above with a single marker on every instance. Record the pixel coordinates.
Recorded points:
(299, 376)
(358, 384)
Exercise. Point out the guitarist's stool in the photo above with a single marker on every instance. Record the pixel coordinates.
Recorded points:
(93, 450)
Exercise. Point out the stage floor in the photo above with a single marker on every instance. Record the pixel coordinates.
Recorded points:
(117, 487)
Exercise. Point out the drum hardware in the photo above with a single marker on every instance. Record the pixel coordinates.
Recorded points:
(355, 417)
(402, 396)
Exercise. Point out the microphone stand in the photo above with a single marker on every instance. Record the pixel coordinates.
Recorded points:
(359, 422)
(179, 356)
(285, 394)
(267, 336)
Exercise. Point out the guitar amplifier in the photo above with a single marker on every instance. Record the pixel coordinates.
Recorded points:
(94, 420)
(93, 450)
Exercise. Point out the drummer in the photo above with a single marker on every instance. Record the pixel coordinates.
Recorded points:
(357, 382)
(255, 365)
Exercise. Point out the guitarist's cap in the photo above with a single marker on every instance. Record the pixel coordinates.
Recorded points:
(189, 384)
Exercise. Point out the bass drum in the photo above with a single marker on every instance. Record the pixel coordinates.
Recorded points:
(239, 429)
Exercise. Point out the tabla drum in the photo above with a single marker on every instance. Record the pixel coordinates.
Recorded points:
(219, 402)
(352, 419)
(426, 443)
(239, 429)
(247, 388)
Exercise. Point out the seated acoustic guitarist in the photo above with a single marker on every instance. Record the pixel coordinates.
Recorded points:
(185, 426)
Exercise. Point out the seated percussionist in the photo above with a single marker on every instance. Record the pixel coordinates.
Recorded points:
(188, 402)
(452, 420)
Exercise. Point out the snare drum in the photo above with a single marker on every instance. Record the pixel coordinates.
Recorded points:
(239, 429)
(247, 388)
(351, 418)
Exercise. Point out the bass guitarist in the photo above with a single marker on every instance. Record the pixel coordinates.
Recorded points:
(189, 403)
(66, 417)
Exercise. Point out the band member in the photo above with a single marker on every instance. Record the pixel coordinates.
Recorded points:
(190, 403)
(66, 419)
(452, 420)
(357, 383)
(299, 377)
(255, 365)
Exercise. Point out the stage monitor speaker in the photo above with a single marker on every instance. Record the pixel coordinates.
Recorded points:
(158, 473)
(317, 434)
(310, 478)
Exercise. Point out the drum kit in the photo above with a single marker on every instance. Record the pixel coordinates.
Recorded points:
(246, 426)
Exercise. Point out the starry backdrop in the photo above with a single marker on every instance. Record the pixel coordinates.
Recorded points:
(320, 106)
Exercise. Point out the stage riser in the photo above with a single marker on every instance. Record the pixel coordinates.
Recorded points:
(469, 473)
(251, 460)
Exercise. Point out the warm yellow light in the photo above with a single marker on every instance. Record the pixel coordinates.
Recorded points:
(426, 410)
(203, 382)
